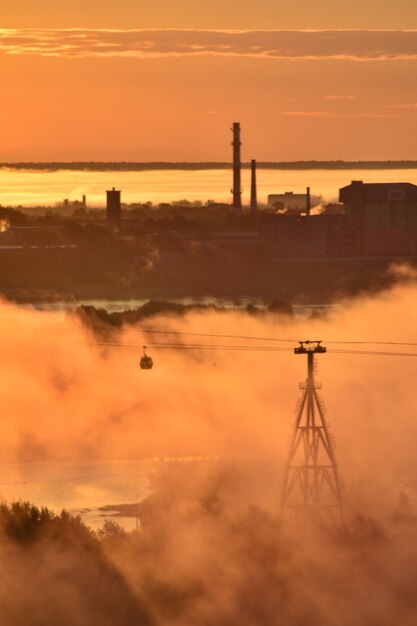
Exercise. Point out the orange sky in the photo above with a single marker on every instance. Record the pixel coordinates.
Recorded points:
(209, 14)
(172, 95)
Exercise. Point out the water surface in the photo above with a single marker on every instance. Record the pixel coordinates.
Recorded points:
(79, 487)
(31, 188)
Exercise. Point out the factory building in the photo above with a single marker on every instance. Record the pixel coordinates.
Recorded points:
(380, 205)
(293, 202)
(379, 220)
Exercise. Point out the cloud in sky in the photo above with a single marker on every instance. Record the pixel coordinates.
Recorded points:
(411, 105)
(356, 45)
(335, 97)
(370, 115)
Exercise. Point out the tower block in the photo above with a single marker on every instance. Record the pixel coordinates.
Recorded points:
(312, 491)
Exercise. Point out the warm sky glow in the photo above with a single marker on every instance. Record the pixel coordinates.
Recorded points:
(210, 14)
(119, 94)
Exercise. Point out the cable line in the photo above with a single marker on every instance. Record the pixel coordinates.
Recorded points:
(241, 348)
(375, 343)
(372, 352)
(272, 339)
(215, 336)
(181, 346)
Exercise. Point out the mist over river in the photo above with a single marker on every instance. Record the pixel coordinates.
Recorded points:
(49, 188)
(83, 487)
(80, 487)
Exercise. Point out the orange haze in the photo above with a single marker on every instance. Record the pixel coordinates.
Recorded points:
(62, 398)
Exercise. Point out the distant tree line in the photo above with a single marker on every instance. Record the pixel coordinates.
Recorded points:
(99, 319)
(136, 166)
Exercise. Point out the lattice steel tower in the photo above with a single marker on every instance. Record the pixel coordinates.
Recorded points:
(312, 490)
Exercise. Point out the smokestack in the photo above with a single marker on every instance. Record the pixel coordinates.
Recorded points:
(237, 192)
(308, 204)
(253, 190)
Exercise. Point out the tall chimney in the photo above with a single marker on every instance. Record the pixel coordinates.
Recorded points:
(237, 192)
(308, 201)
(253, 191)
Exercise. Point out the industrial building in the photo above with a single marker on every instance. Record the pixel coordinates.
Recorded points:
(380, 205)
(292, 202)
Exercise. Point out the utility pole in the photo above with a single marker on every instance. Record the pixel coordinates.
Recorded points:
(312, 491)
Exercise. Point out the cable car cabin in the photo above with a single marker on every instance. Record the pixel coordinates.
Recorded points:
(146, 363)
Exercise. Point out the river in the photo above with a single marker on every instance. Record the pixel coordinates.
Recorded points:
(39, 188)
(79, 487)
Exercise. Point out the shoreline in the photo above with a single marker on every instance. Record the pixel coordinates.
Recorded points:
(137, 166)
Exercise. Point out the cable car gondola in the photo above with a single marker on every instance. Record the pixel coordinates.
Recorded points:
(146, 362)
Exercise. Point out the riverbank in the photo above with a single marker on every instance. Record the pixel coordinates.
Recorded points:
(298, 282)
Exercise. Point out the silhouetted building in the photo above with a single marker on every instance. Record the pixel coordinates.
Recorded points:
(114, 208)
(293, 202)
(380, 220)
(253, 189)
(237, 191)
(381, 205)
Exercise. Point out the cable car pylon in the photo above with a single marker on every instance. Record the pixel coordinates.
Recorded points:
(312, 489)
